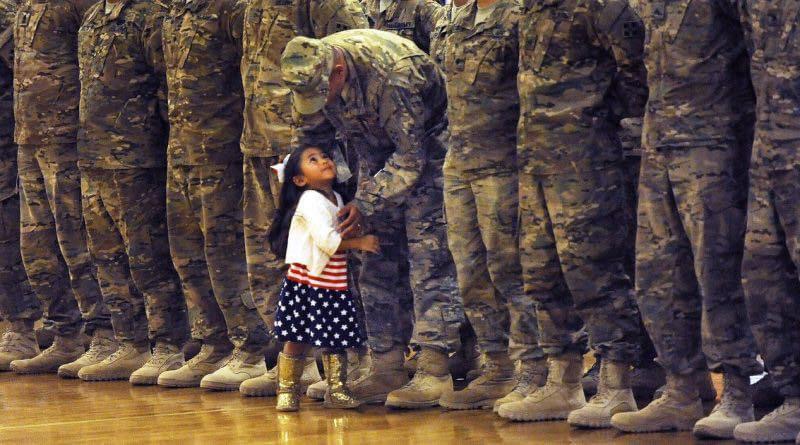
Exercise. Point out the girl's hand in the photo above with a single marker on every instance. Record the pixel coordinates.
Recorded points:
(370, 243)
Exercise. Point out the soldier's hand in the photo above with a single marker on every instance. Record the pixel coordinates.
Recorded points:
(351, 221)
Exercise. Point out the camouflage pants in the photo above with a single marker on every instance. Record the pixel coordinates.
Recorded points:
(688, 258)
(125, 213)
(204, 214)
(482, 233)
(413, 255)
(264, 270)
(18, 302)
(572, 245)
(53, 240)
(770, 273)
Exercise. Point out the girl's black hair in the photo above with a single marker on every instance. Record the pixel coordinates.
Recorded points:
(278, 235)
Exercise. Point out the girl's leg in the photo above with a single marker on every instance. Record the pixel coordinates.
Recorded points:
(290, 368)
(338, 395)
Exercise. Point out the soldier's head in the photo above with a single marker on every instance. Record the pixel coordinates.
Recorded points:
(315, 71)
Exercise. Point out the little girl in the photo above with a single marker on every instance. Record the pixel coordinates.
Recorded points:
(315, 308)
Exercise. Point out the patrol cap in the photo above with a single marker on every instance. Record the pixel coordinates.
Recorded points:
(306, 65)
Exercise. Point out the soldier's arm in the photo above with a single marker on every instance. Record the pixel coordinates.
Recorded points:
(620, 30)
(232, 20)
(153, 50)
(427, 15)
(312, 130)
(402, 114)
(338, 15)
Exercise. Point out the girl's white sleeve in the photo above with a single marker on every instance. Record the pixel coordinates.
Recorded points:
(312, 212)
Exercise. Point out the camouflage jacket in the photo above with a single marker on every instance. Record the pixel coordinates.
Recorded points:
(439, 33)
(392, 111)
(46, 85)
(480, 64)
(581, 71)
(697, 73)
(775, 40)
(8, 151)
(202, 51)
(268, 27)
(412, 19)
(123, 86)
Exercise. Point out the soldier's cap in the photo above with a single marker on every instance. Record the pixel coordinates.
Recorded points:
(306, 66)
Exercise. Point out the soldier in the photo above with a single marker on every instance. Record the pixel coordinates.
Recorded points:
(122, 156)
(696, 139)
(266, 138)
(202, 50)
(581, 71)
(18, 304)
(412, 19)
(770, 264)
(386, 98)
(480, 177)
(52, 240)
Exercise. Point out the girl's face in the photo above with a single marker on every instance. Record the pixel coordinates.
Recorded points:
(317, 169)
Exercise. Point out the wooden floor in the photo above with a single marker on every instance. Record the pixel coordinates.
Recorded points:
(46, 409)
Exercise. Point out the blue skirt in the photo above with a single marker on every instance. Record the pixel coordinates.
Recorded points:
(319, 317)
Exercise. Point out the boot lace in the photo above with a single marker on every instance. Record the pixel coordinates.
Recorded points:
(525, 381)
(779, 412)
(121, 351)
(161, 353)
(730, 402)
(12, 341)
(203, 355)
(98, 349)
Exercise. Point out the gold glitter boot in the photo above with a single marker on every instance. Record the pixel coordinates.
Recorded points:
(289, 371)
(338, 395)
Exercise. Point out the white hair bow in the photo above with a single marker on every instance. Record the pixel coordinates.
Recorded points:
(281, 168)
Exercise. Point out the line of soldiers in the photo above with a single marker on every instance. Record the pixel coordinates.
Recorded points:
(486, 137)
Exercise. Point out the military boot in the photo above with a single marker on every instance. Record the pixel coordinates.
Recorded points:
(18, 343)
(266, 385)
(496, 381)
(678, 408)
(430, 381)
(102, 345)
(386, 373)
(209, 359)
(591, 379)
(358, 364)
(703, 382)
(614, 395)
(530, 376)
(338, 395)
(289, 371)
(561, 394)
(781, 425)
(735, 407)
(242, 366)
(166, 357)
(118, 366)
(63, 350)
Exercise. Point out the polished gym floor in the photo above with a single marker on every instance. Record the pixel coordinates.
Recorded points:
(46, 409)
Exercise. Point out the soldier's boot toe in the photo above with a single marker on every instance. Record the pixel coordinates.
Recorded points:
(63, 350)
(530, 376)
(18, 343)
(210, 358)
(166, 357)
(678, 409)
(780, 425)
(496, 381)
(118, 366)
(430, 381)
(241, 367)
(614, 395)
(101, 346)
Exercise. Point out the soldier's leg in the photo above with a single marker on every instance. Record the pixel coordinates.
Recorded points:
(139, 212)
(107, 247)
(264, 270)
(220, 191)
(772, 290)
(62, 182)
(18, 303)
(45, 267)
(44, 262)
(186, 245)
(710, 192)
(125, 303)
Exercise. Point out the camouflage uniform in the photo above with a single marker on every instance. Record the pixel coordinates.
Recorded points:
(692, 187)
(202, 49)
(266, 137)
(17, 301)
(392, 111)
(412, 19)
(771, 259)
(480, 175)
(46, 95)
(122, 156)
(580, 72)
